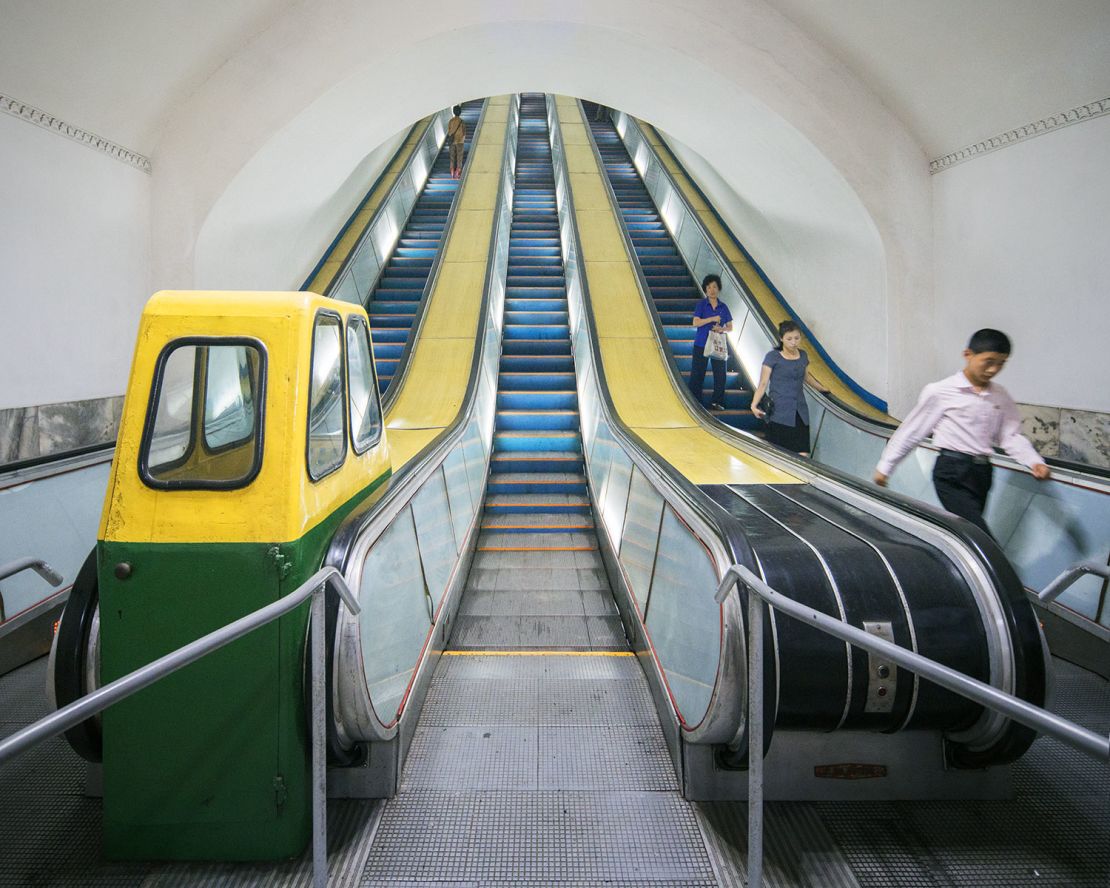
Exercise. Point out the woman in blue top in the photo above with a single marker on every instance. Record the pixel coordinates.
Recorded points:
(785, 370)
(709, 314)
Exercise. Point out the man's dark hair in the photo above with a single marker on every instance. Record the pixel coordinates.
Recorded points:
(988, 340)
(457, 110)
(710, 279)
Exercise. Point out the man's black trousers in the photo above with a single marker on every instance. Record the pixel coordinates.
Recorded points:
(962, 485)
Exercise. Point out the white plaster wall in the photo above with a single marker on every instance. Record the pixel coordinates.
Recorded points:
(1021, 245)
(711, 72)
(781, 216)
(270, 229)
(74, 267)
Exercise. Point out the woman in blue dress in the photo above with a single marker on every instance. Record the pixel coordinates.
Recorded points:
(785, 371)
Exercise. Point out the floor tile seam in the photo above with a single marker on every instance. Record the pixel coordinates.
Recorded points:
(649, 730)
(447, 689)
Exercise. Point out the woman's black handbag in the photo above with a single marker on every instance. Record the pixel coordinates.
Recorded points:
(766, 405)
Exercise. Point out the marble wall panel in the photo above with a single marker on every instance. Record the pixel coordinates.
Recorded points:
(1085, 437)
(1041, 425)
(31, 432)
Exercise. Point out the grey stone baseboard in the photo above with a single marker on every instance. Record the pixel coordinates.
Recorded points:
(1081, 436)
(32, 432)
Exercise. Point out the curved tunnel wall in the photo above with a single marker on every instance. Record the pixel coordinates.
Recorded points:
(656, 62)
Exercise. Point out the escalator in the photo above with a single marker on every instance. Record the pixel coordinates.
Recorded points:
(848, 551)
(671, 286)
(1044, 527)
(538, 754)
(394, 302)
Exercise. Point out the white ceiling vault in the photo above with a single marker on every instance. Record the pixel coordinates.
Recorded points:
(819, 116)
(118, 68)
(954, 72)
(957, 72)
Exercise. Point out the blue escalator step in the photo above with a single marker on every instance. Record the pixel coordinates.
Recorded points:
(537, 400)
(518, 441)
(537, 420)
(535, 381)
(537, 364)
(537, 482)
(536, 461)
(535, 347)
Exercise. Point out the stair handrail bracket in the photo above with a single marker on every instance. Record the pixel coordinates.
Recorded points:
(39, 566)
(1061, 584)
(315, 587)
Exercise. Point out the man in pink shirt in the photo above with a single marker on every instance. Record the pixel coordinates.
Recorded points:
(968, 415)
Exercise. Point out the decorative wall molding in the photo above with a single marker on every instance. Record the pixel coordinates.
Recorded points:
(38, 117)
(1037, 128)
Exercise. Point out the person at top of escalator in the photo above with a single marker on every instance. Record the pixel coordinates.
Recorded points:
(785, 371)
(456, 136)
(710, 314)
(968, 415)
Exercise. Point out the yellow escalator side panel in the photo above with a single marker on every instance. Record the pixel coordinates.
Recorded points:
(325, 276)
(472, 237)
(435, 386)
(580, 158)
(485, 161)
(575, 135)
(455, 315)
(481, 189)
(637, 377)
(618, 313)
(404, 444)
(589, 192)
(601, 241)
(704, 458)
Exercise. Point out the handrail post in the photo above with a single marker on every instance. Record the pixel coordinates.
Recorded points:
(39, 566)
(1066, 579)
(755, 739)
(319, 764)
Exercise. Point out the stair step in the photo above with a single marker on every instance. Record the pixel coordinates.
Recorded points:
(553, 541)
(514, 441)
(537, 522)
(536, 482)
(537, 420)
(536, 461)
(524, 503)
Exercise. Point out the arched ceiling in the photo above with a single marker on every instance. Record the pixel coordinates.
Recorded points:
(957, 72)
(118, 68)
(953, 72)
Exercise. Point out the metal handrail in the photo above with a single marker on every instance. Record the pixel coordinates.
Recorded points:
(100, 699)
(39, 566)
(1053, 590)
(1041, 720)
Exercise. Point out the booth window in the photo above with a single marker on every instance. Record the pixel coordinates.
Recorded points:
(366, 411)
(204, 422)
(327, 416)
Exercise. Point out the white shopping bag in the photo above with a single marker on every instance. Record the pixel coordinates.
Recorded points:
(716, 346)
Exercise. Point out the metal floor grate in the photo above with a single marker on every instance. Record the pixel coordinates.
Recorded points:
(539, 837)
(1054, 833)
